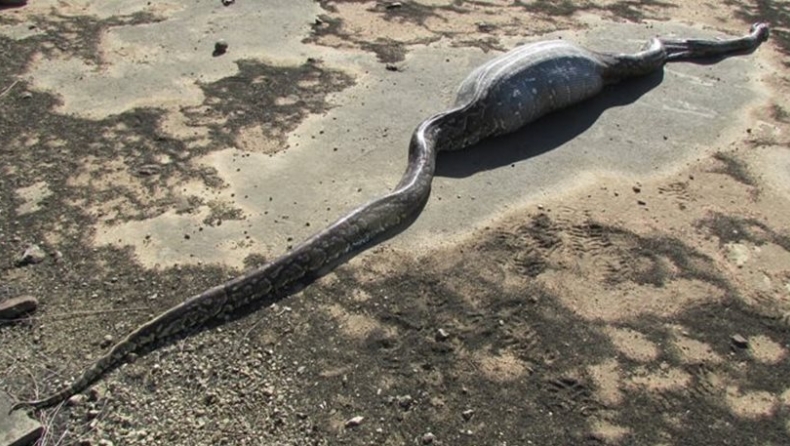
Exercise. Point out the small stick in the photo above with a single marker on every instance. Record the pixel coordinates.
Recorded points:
(5, 92)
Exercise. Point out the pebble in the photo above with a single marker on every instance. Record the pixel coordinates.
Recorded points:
(467, 414)
(106, 341)
(428, 438)
(77, 400)
(442, 334)
(355, 421)
(228, 2)
(739, 341)
(32, 255)
(220, 47)
(405, 401)
(17, 306)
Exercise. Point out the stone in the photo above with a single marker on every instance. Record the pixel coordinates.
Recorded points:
(739, 341)
(405, 401)
(220, 47)
(15, 307)
(355, 421)
(32, 255)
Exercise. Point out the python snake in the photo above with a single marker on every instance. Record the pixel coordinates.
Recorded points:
(496, 98)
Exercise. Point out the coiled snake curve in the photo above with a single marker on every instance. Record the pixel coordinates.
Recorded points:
(496, 98)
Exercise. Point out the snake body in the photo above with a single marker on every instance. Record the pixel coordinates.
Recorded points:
(498, 97)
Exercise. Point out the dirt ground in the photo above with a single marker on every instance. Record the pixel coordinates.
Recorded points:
(645, 311)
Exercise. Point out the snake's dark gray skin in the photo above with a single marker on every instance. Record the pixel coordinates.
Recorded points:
(499, 97)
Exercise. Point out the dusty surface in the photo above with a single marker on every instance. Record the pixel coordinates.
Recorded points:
(616, 274)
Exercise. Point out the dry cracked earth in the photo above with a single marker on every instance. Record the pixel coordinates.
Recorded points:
(645, 311)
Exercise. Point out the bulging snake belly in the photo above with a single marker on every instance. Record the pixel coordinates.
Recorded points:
(498, 97)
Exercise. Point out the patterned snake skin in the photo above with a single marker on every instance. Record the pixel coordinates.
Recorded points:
(496, 98)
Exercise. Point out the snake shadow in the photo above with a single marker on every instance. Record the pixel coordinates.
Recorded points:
(544, 134)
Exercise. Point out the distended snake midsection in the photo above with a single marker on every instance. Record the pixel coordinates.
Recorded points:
(498, 97)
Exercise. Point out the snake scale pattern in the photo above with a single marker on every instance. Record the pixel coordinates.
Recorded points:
(498, 97)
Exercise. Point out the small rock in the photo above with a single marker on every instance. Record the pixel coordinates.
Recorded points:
(57, 256)
(228, 2)
(106, 341)
(641, 202)
(428, 438)
(220, 47)
(442, 334)
(739, 341)
(637, 189)
(17, 306)
(391, 67)
(405, 401)
(77, 400)
(468, 414)
(96, 393)
(32, 255)
(354, 422)
(393, 5)
(27, 95)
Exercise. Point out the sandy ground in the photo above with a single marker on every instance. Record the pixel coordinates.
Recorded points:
(615, 274)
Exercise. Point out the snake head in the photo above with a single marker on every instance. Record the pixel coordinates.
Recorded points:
(760, 31)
